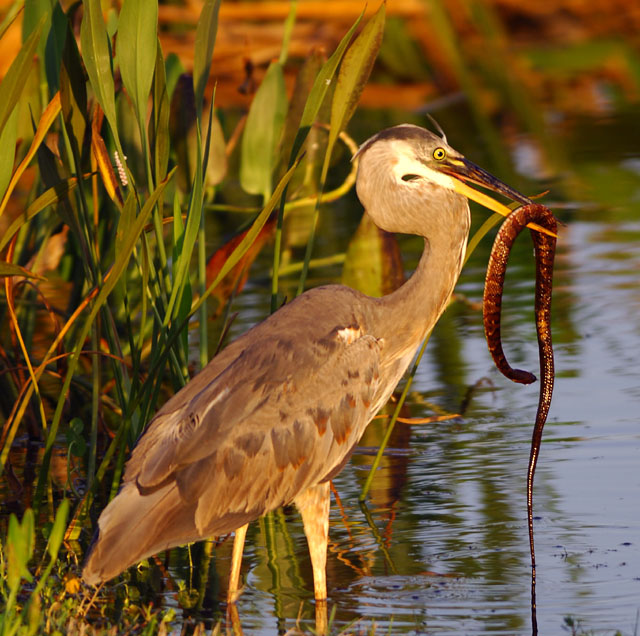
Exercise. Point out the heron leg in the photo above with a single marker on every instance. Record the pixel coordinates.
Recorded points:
(313, 504)
(236, 562)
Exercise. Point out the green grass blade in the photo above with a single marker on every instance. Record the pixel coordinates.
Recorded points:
(262, 133)
(129, 230)
(13, 83)
(206, 32)
(190, 235)
(137, 49)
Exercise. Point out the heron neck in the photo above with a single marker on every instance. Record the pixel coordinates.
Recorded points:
(414, 308)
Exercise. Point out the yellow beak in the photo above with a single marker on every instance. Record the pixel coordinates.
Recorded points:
(466, 170)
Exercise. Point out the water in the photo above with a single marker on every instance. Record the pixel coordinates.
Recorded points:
(442, 546)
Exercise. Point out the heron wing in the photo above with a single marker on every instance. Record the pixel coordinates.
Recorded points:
(282, 413)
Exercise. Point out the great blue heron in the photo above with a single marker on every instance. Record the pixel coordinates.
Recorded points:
(277, 414)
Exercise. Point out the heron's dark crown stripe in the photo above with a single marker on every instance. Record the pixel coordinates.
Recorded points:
(400, 132)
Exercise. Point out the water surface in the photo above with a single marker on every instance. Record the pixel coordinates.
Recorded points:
(442, 545)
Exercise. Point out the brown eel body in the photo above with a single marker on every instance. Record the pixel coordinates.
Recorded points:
(545, 247)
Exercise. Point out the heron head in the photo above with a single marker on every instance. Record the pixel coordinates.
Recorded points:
(404, 165)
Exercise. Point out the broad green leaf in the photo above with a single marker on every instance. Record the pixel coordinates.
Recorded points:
(205, 41)
(354, 73)
(262, 133)
(96, 53)
(137, 50)
(11, 269)
(173, 70)
(8, 139)
(13, 82)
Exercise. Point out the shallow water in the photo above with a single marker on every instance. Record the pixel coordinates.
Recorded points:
(442, 546)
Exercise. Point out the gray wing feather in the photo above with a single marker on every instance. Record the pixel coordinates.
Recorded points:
(280, 416)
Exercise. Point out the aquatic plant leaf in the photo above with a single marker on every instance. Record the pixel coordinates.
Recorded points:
(8, 139)
(262, 133)
(305, 80)
(97, 60)
(373, 262)
(20, 544)
(137, 50)
(159, 123)
(182, 130)
(252, 234)
(103, 161)
(73, 90)
(54, 45)
(11, 269)
(13, 83)
(47, 198)
(57, 531)
(354, 73)
(320, 87)
(206, 32)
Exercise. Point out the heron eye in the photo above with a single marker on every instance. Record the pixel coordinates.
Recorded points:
(439, 154)
(410, 177)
